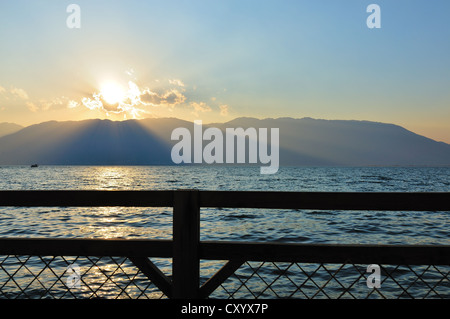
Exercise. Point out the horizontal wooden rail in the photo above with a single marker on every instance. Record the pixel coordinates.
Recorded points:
(86, 247)
(327, 253)
(327, 200)
(395, 201)
(86, 198)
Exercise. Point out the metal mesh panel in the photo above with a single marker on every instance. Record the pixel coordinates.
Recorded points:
(59, 277)
(334, 281)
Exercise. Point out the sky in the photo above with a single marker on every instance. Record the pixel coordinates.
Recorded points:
(218, 60)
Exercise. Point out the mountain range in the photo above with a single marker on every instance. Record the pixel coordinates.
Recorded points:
(9, 128)
(302, 142)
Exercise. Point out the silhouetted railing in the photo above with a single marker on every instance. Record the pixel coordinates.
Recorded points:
(255, 270)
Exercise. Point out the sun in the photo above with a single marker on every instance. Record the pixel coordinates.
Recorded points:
(112, 93)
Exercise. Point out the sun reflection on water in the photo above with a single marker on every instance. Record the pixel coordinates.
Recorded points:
(112, 177)
(126, 223)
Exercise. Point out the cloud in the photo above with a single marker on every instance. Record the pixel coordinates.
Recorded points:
(19, 93)
(93, 103)
(139, 100)
(46, 105)
(72, 104)
(32, 107)
(223, 110)
(58, 102)
(199, 107)
(174, 97)
(13, 92)
(135, 101)
(168, 98)
(176, 82)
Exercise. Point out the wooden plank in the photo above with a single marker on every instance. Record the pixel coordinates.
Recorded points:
(186, 239)
(85, 247)
(412, 201)
(219, 277)
(327, 253)
(86, 198)
(153, 273)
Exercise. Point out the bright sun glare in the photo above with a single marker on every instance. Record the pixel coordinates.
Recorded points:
(112, 93)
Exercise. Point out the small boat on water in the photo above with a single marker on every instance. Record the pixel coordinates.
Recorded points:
(35, 165)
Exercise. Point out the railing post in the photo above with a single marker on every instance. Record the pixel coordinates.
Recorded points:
(186, 239)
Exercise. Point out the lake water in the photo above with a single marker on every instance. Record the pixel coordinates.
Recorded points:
(298, 226)
(230, 224)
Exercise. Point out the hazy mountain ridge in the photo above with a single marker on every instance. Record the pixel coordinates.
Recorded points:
(304, 141)
(9, 128)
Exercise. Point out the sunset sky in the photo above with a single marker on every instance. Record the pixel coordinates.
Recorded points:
(218, 60)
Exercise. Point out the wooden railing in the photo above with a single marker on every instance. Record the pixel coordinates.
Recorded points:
(186, 249)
